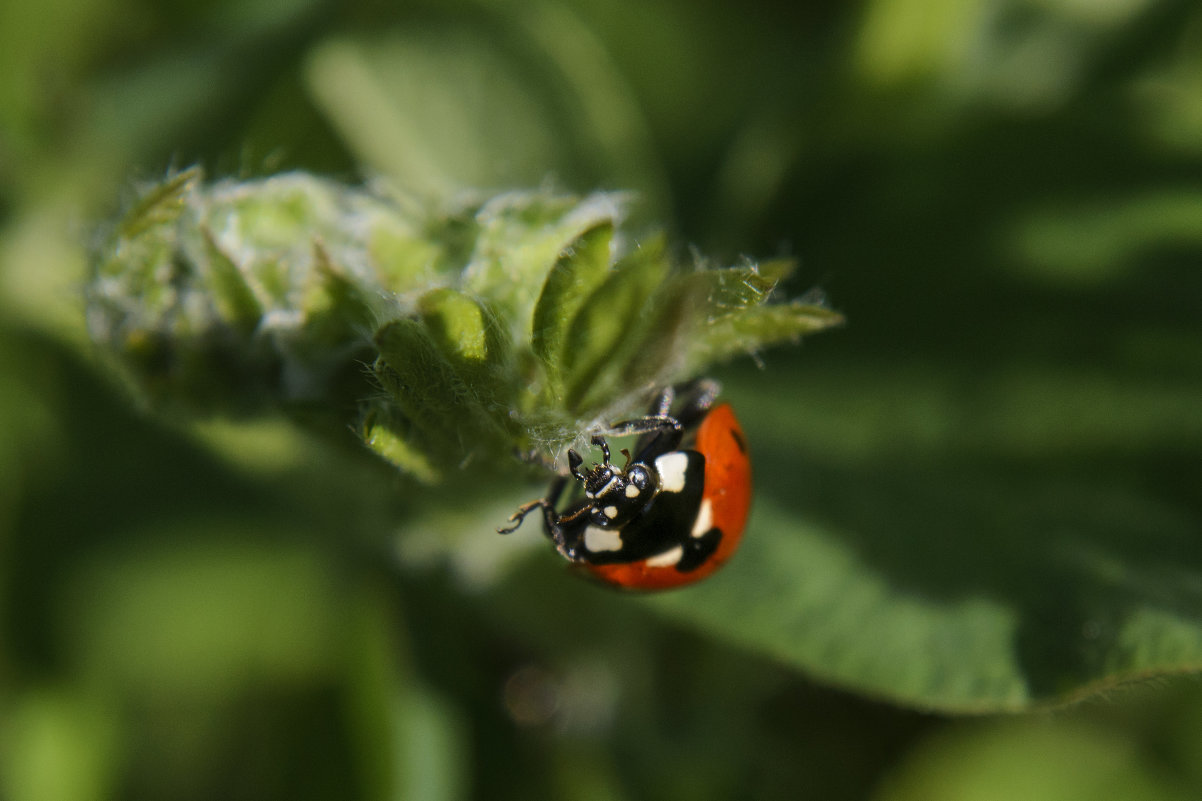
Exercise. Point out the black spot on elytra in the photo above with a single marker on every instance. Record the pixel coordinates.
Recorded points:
(738, 438)
(697, 550)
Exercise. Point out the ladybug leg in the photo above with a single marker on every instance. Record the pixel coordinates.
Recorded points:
(547, 504)
(661, 407)
(699, 397)
(566, 530)
(661, 434)
(662, 403)
(696, 398)
(651, 424)
(602, 443)
(520, 515)
(568, 536)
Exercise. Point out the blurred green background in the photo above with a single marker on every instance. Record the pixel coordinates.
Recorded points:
(1004, 197)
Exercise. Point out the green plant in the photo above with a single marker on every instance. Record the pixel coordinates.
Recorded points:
(448, 337)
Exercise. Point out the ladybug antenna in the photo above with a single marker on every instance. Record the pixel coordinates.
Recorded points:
(574, 462)
(626, 453)
(600, 441)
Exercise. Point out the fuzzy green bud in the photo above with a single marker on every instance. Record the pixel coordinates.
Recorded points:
(446, 335)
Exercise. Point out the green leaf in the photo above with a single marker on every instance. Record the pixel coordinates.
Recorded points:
(161, 205)
(979, 576)
(335, 307)
(735, 334)
(232, 295)
(520, 236)
(459, 326)
(803, 595)
(609, 325)
(419, 376)
(733, 288)
(389, 436)
(580, 269)
(446, 415)
(401, 259)
(475, 342)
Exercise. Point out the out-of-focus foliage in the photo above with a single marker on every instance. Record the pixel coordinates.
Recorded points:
(983, 493)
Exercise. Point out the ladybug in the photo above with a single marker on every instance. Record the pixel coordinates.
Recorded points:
(672, 513)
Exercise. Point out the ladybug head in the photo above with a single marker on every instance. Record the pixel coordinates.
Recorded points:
(615, 494)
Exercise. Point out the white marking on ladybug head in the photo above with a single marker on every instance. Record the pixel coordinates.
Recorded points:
(705, 519)
(672, 467)
(610, 511)
(669, 558)
(632, 491)
(602, 539)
